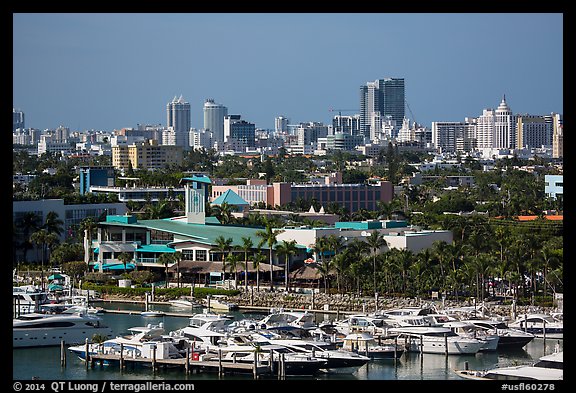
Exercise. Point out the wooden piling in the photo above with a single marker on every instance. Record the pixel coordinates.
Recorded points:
(87, 357)
(62, 354)
(220, 369)
(187, 364)
(154, 358)
(445, 344)
(121, 356)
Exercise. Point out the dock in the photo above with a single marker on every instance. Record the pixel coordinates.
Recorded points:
(190, 366)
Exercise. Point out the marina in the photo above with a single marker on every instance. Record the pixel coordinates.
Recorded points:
(55, 362)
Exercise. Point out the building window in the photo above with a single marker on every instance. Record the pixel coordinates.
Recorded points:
(201, 255)
(188, 255)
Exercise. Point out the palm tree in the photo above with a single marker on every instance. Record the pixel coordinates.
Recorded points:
(29, 223)
(164, 259)
(287, 249)
(257, 259)
(232, 261)
(224, 212)
(375, 241)
(53, 224)
(269, 237)
(87, 228)
(246, 246)
(223, 245)
(44, 239)
(177, 256)
(125, 257)
(325, 269)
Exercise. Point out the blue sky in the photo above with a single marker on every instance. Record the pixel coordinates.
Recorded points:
(107, 71)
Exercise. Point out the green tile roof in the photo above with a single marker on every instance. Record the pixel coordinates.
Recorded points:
(204, 234)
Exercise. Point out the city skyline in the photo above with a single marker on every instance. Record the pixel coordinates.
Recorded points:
(110, 71)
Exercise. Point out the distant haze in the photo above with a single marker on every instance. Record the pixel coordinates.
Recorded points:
(109, 71)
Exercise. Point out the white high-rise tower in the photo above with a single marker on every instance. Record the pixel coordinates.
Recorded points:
(214, 119)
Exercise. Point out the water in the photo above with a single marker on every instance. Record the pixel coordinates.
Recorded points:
(44, 363)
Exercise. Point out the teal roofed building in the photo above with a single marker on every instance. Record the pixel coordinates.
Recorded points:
(196, 237)
(233, 199)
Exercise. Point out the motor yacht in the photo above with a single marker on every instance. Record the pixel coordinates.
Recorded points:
(140, 342)
(358, 323)
(39, 330)
(364, 343)
(508, 337)
(468, 329)
(436, 339)
(294, 362)
(548, 367)
(540, 325)
(278, 319)
(338, 360)
(28, 299)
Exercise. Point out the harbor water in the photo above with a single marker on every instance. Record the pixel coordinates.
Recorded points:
(44, 363)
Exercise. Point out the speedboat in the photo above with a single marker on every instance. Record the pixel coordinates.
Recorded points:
(219, 302)
(364, 343)
(152, 313)
(540, 325)
(509, 337)
(182, 303)
(436, 339)
(549, 367)
(39, 330)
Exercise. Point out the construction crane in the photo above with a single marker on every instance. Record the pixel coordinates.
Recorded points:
(342, 110)
(410, 110)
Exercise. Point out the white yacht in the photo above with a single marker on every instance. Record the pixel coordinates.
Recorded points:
(338, 360)
(295, 362)
(359, 323)
(28, 299)
(139, 343)
(295, 319)
(508, 337)
(436, 339)
(220, 303)
(364, 343)
(36, 330)
(549, 367)
(468, 329)
(540, 325)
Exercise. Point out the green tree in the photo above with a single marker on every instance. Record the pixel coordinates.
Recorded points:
(269, 236)
(246, 247)
(125, 257)
(45, 240)
(375, 241)
(287, 249)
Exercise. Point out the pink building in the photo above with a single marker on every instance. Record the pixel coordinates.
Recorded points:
(353, 197)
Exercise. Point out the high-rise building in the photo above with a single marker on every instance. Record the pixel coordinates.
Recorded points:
(281, 125)
(386, 96)
(239, 130)
(533, 131)
(504, 127)
(178, 121)
(17, 119)
(214, 115)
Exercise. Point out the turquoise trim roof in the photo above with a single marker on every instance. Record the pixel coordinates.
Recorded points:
(155, 248)
(198, 178)
(231, 198)
(200, 233)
